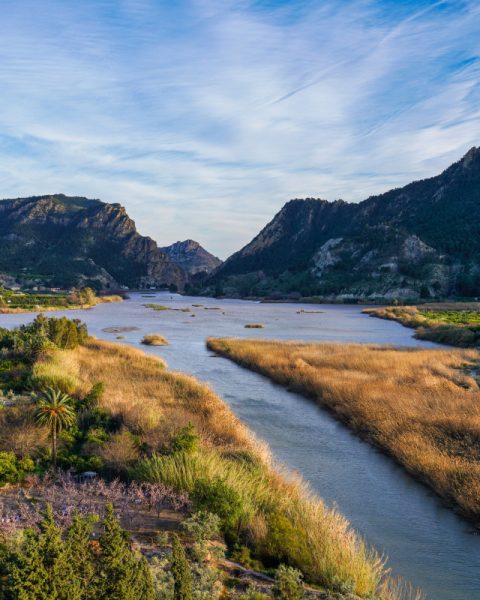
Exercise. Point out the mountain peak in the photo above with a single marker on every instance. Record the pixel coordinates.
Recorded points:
(470, 157)
(190, 255)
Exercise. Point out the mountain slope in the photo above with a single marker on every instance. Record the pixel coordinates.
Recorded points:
(64, 241)
(419, 240)
(192, 257)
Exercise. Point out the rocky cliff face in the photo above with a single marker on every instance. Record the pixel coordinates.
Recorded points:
(192, 257)
(420, 240)
(64, 241)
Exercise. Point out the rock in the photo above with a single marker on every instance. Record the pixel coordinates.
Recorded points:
(79, 241)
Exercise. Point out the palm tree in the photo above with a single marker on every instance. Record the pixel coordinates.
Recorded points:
(54, 409)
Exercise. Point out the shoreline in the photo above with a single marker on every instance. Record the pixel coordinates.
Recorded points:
(346, 420)
(41, 309)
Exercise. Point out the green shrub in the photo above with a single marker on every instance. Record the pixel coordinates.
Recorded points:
(12, 469)
(288, 584)
(96, 435)
(284, 543)
(186, 440)
(242, 555)
(219, 498)
(202, 526)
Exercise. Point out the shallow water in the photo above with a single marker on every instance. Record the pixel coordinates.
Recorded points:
(425, 542)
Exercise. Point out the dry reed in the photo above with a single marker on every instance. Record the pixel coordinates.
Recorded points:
(151, 401)
(420, 406)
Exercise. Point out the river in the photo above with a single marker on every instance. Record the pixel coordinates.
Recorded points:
(426, 543)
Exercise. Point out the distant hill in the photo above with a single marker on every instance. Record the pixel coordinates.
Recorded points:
(422, 240)
(64, 241)
(192, 257)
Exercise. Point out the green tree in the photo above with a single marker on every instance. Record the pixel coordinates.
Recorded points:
(122, 575)
(42, 569)
(181, 572)
(27, 575)
(55, 410)
(144, 586)
(79, 553)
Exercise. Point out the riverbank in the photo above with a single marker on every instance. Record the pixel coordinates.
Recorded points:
(453, 323)
(275, 515)
(55, 304)
(419, 406)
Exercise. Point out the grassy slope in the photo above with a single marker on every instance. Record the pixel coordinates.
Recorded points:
(152, 401)
(421, 406)
(457, 324)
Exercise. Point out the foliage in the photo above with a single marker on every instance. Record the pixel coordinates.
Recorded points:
(13, 469)
(219, 498)
(120, 572)
(419, 405)
(202, 526)
(54, 410)
(288, 583)
(455, 325)
(186, 440)
(56, 565)
(182, 576)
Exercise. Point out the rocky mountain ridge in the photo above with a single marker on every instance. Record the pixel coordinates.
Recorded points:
(192, 257)
(422, 240)
(57, 240)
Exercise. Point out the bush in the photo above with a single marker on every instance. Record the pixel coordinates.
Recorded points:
(186, 440)
(242, 555)
(219, 498)
(288, 584)
(13, 470)
(284, 542)
(202, 526)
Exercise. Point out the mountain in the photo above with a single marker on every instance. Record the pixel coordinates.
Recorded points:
(422, 240)
(192, 257)
(64, 241)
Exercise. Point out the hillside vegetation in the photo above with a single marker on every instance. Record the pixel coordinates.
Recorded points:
(405, 244)
(18, 302)
(125, 415)
(420, 406)
(64, 241)
(457, 324)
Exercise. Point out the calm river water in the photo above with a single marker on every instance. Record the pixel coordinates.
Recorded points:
(426, 543)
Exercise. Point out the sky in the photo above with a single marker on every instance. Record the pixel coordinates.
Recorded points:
(203, 117)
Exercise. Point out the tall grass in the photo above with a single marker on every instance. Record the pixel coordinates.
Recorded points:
(60, 370)
(453, 324)
(280, 515)
(420, 406)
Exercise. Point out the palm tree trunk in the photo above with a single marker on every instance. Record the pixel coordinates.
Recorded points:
(54, 445)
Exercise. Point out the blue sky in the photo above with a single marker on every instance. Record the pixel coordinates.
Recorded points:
(204, 117)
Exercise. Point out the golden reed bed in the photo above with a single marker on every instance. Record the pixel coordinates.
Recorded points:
(420, 406)
(151, 401)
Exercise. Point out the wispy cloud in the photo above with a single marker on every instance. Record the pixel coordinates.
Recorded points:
(204, 116)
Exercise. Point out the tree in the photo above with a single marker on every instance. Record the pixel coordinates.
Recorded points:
(42, 570)
(55, 410)
(27, 575)
(79, 552)
(181, 572)
(122, 575)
